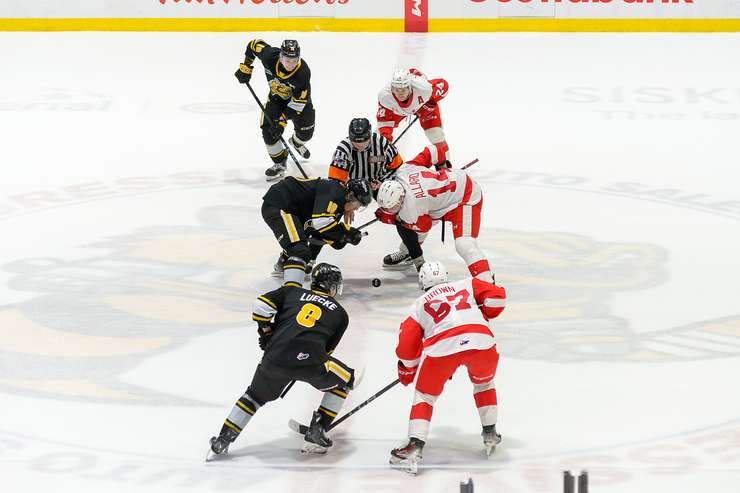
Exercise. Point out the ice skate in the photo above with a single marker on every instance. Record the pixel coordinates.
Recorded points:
(399, 260)
(315, 441)
(407, 458)
(220, 445)
(278, 270)
(276, 171)
(490, 439)
(300, 147)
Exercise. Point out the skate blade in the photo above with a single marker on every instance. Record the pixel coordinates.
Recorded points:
(490, 449)
(212, 456)
(405, 465)
(312, 448)
(399, 267)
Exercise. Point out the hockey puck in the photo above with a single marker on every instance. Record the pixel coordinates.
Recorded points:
(376, 283)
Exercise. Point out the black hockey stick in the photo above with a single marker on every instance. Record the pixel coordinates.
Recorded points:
(285, 144)
(302, 429)
(395, 141)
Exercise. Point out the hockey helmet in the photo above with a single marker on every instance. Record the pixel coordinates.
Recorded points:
(359, 190)
(359, 130)
(327, 278)
(290, 49)
(401, 79)
(390, 196)
(431, 274)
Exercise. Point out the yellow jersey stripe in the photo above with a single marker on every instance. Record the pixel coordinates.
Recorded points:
(260, 318)
(338, 370)
(290, 226)
(332, 225)
(268, 301)
(292, 284)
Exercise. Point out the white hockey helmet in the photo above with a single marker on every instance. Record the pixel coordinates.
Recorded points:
(401, 79)
(390, 196)
(431, 274)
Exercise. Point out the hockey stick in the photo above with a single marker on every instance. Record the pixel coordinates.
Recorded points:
(285, 144)
(302, 429)
(395, 141)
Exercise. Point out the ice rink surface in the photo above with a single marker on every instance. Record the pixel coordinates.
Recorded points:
(132, 249)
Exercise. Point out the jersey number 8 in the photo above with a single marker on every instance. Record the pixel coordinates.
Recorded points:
(308, 315)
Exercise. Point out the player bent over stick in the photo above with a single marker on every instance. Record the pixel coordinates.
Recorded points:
(296, 209)
(417, 196)
(298, 329)
(450, 324)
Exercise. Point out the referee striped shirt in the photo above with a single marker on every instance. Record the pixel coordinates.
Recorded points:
(373, 163)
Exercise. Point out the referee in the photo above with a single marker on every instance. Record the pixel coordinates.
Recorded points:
(364, 154)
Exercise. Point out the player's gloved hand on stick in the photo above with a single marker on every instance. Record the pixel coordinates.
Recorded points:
(405, 374)
(385, 217)
(354, 236)
(264, 329)
(339, 244)
(244, 74)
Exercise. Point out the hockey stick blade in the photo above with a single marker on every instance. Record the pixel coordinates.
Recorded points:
(297, 427)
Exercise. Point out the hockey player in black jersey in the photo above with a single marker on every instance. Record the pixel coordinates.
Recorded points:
(298, 330)
(289, 79)
(305, 214)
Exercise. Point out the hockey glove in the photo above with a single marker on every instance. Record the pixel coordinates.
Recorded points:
(385, 217)
(339, 244)
(244, 74)
(405, 374)
(264, 329)
(353, 235)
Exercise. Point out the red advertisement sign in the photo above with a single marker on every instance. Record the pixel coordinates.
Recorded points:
(416, 16)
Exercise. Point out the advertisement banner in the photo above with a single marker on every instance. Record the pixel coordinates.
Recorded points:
(416, 16)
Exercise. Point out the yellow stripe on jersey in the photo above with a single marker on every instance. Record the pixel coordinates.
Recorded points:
(290, 226)
(268, 301)
(258, 318)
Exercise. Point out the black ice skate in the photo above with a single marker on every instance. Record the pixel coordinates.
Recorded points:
(490, 439)
(276, 171)
(278, 270)
(397, 261)
(300, 148)
(407, 458)
(220, 444)
(315, 441)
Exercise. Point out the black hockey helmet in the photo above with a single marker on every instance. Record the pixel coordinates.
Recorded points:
(327, 278)
(290, 49)
(359, 190)
(359, 130)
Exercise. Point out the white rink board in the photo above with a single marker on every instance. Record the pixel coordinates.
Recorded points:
(365, 9)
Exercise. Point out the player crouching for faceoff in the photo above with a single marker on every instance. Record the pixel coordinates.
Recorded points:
(417, 196)
(450, 324)
(298, 329)
(297, 209)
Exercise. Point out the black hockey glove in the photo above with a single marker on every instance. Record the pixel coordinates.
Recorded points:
(244, 74)
(264, 329)
(339, 244)
(353, 235)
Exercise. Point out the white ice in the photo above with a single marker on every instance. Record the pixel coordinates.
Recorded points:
(132, 248)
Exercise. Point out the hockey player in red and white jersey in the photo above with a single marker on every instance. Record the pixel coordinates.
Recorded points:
(408, 94)
(418, 196)
(449, 324)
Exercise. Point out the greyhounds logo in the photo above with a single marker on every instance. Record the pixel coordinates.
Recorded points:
(93, 320)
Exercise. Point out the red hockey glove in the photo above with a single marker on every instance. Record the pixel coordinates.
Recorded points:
(406, 375)
(385, 217)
